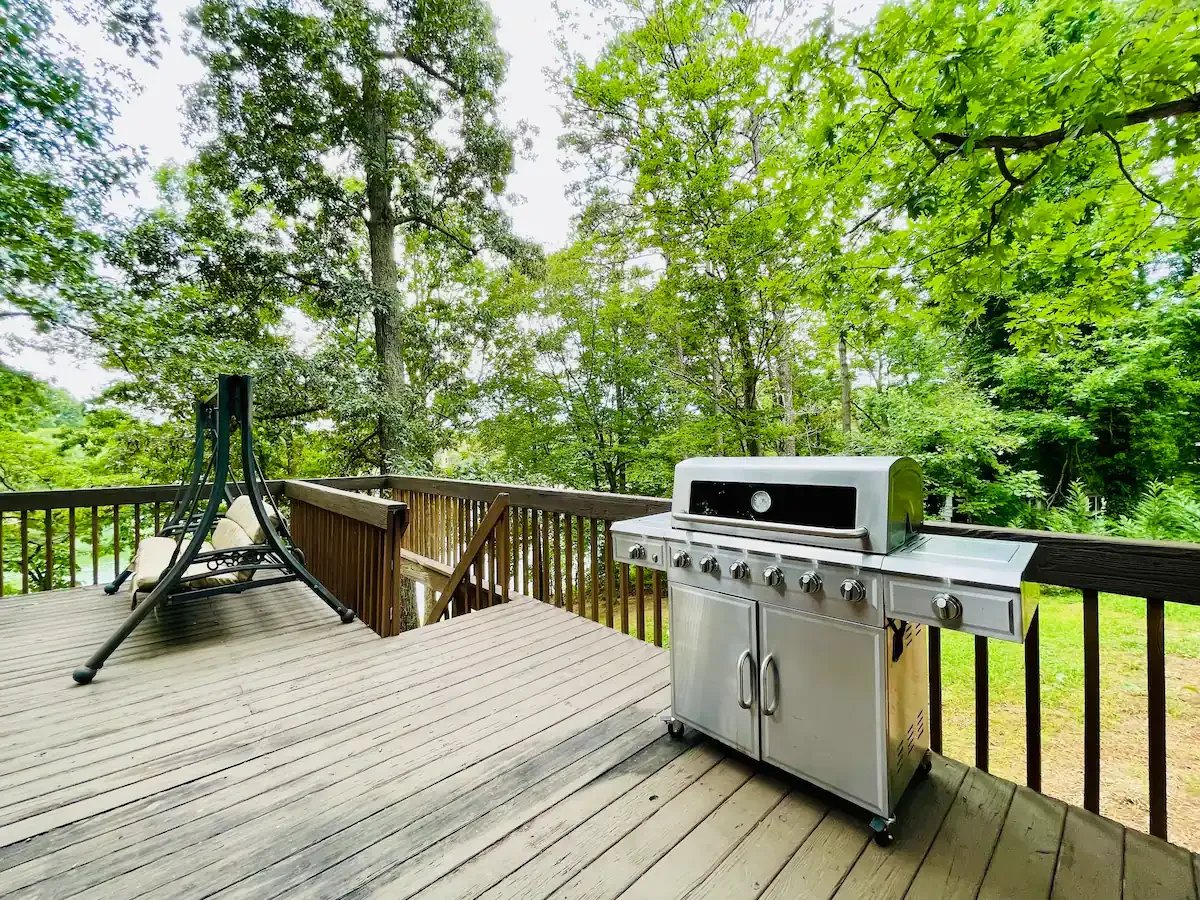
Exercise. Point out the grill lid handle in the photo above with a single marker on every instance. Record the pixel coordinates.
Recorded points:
(853, 533)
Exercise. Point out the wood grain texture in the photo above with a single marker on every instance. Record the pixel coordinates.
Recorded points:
(1156, 869)
(1090, 858)
(955, 865)
(248, 747)
(759, 857)
(1022, 866)
(821, 863)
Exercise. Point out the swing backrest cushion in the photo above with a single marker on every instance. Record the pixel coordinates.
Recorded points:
(229, 534)
(241, 512)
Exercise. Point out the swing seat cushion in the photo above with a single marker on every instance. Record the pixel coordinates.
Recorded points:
(237, 528)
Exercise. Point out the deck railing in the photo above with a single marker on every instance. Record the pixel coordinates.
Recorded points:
(559, 551)
(351, 542)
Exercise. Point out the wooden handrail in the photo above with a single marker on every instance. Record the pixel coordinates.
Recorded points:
(359, 507)
(561, 500)
(77, 498)
(495, 517)
(352, 543)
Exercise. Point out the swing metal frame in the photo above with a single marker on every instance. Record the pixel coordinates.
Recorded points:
(228, 409)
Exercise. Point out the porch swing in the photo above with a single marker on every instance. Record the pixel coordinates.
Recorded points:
(201, 552)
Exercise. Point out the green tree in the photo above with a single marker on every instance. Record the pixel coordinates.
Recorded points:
(573, 376)
(346, 120)
(58, 159)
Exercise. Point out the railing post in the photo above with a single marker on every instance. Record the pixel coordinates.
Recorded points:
(1091, 701)
(1033, 704)
(1156, 704)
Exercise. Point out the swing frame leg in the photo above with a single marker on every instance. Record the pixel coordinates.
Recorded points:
(88, 670)
(115, 585)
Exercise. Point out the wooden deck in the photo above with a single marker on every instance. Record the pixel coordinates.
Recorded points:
(254, 747)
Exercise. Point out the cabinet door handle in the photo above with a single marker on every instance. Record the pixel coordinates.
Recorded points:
(743, 701)
(769, 665)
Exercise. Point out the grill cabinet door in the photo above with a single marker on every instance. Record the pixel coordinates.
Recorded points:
(824, 703)
(711, 633)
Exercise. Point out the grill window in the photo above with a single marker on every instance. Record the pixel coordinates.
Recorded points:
(815, 505)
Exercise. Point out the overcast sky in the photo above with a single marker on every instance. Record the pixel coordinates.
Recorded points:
(153, 119)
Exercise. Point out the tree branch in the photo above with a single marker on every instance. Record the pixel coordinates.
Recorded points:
(1023, 142)
(440, 229)
(1124, 171)
(410, 57)
(887, 87)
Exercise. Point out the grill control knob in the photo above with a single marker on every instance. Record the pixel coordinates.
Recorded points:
(947, 607)
(680, 559)
(709, 565)
(810, 582)
(852, 591)
(637, 551)
(739, 569)
(773, 576)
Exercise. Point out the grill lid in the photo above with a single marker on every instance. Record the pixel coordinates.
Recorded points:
(865, 503)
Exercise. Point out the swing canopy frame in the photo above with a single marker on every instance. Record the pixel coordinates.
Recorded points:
(203, 550)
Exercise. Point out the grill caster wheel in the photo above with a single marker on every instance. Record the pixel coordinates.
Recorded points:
(925, 766)
(881, 831)
(675, 729)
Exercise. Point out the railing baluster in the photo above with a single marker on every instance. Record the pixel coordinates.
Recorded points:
(1, 554)
(95, 545)
(24, 552)
(70, 546)
(981, 703)
(640, 597)
(157, 516)
(568, 557)
(1091, 701)
(580, 541)
(935, 690)
(1033, 705)
(556, 550)
(658, 608)
(1156, 707)
(547, 567)
(505, 541)
(594, 549)
(116, 541)
(137, 526)
(624, 599)
(48, 575)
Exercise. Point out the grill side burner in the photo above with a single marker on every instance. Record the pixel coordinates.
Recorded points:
(799, 618)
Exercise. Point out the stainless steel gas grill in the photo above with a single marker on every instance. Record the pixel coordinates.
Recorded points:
(800, 591)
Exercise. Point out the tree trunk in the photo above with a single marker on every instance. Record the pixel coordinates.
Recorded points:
(381, 235)
(787, 397)
(844, 364)
(389, 358)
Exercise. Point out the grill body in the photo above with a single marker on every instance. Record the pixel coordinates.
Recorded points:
(799, 620)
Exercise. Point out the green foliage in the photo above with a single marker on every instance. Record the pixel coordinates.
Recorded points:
(964, 232)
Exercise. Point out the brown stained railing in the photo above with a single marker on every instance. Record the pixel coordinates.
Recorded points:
(64, 537)
(549, 523)
(560, 551)
(482, 575)
(352, 544)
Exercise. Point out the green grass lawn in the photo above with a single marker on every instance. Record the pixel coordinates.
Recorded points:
(1122, 707)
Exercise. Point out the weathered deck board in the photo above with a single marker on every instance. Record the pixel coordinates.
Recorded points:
(254, 747)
